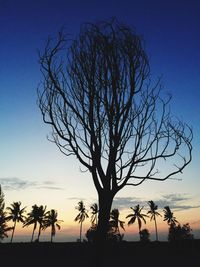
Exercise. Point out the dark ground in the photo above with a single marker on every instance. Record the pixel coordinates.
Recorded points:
(124, 254)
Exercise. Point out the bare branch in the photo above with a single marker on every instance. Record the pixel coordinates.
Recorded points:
(104, 109)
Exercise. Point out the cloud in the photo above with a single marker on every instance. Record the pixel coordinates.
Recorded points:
(19, 184)
(50, 187)
(176, 197)
(16, 183)
(127, 202)
(174, 201)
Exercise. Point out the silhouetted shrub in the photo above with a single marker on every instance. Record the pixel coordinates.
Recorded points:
(178, 232)
(144, 235)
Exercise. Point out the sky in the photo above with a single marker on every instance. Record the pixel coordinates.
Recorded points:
(33, 170)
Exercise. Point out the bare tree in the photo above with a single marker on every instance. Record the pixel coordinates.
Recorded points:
(98, 98)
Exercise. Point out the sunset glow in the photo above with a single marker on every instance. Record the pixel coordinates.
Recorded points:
(33, 170)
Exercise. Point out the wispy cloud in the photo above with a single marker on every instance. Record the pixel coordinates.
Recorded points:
(176, 197)
(174, 201)
(127, 202)
(49, 187)
(15, 183)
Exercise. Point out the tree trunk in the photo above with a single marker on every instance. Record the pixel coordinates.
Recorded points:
(105, 203)
(81, 231)
(139, 230)
(13, 231)
(39, 232)
(51, 235)
(156, 228)
(32, 234)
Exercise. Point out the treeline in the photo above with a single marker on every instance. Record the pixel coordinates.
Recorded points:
(41, 219)
(176, 231)
(38, 217)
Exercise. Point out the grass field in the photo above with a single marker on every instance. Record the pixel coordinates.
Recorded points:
(124, 254)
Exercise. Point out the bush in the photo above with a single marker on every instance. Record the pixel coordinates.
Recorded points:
(178, 232)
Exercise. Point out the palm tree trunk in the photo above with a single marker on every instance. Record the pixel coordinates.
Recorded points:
(32, 234)
(35, 225)
(51, 234)
(13, 232)
(156, 228)
(139, 230)
(39, 232)
(81, 231)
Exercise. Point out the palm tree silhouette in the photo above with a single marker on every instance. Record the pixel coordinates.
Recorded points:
(3, 220)
(137, 215)
(15, 214)
(115, 222)
(32, 219)
(2, 203)
(95, 210)
(51, 220)
(169, 217)
(81, 216)
(41, 218)
(153, 213)
(3, 226)
(36, 216)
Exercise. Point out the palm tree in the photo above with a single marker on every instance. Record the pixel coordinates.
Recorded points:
(115, 222)
(81, 216)
(36, 216)
(153, 213)
(15, 214)
(2, 203)
(137, 215)
(3, 220)
(51, 220)
(32, 219)
(95, 211)
(41, 218)
(169, 217)
(3, 226)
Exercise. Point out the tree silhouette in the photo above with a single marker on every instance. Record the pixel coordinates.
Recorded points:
(144, 235)
(3, 220)
(16, 214)
(97, 96)
(41, 219)
(153, 213)
(91, 233)
(51, 220)
(36, 216)
(32, 219)
(2, 202)
(114, 228)
(81, 216)
(95, 211)
(115, 222)
(3, 226)
(178, 232)
(169, 216)
(137, 215)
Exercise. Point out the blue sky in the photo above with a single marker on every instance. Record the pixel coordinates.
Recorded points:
(32, 169)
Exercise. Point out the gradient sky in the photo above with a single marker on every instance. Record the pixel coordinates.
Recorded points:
(32, 170)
